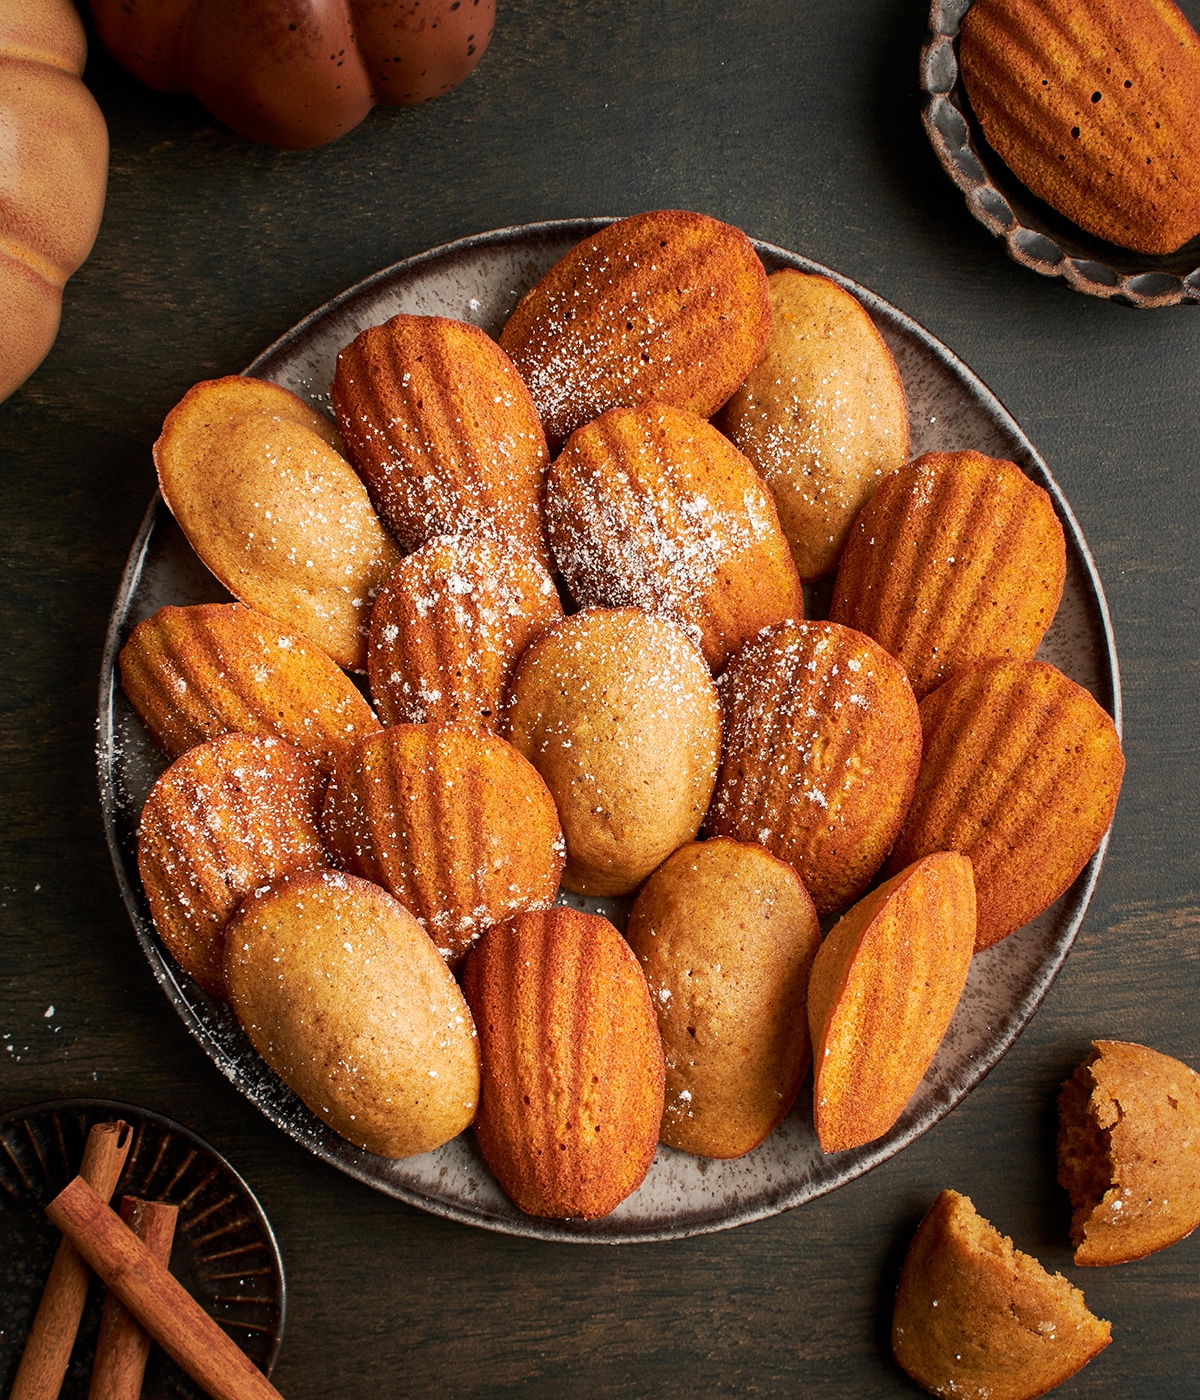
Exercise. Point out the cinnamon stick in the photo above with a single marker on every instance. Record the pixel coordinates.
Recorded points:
(48, 1348)
(123, 1344)
(159, 1302)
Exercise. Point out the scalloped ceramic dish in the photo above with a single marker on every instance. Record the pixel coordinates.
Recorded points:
(1036, 236)
(480, 279)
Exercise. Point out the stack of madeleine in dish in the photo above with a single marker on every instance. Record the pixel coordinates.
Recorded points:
(578, 606)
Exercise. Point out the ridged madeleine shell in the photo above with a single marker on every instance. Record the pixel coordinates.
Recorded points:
(667, 305)
(450, 625)
(1021, 773)
(651, 507)
(216, 668)
(822, 745)
(572, 1084)
(1093, 104)
(452, 821)
(230, 815)
(253, 476)
(443, 431)
(958, 558)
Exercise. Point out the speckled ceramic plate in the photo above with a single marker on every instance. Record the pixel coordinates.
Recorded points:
(1036, 236)
(480, 279)
(224, 1252)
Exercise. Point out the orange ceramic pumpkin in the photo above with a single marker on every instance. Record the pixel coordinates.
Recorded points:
(53, 170)
(297, 73)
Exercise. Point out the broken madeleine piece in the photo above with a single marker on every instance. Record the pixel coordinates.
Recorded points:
(975, 1318)
(1129, 1152)
(884, 988)
(253, 476)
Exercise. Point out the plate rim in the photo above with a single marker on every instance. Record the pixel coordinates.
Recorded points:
(309, 1135)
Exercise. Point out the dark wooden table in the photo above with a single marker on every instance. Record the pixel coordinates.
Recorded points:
(800, 124)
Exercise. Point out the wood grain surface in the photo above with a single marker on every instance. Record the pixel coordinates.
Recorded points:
(800, 124)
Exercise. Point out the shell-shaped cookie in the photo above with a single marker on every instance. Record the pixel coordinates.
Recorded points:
(651, 507)
(822, 416)
(572, 1085)
(726, 935)
(443, 430)
(976, 1317)
(230, 815)
(884, 988)
(668, 305)
(1092, 103)
(822, 745)
(1129, 1152)
(1021, 773)
(217, 668)
(449, 626)
(253, 477)
(617, 711)
(958, 558)
(344, 996)
(452, 821)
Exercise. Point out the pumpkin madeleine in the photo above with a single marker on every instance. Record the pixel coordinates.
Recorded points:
(1021, 772)
(958, 558)
(449, 626)
(228, 816)
(217, 668)
(253, 477)
(572, 1084)
(884, 988)
(976, 1318)
(822, 745)
(667, 305)
(650, 507)
(1129, 1152)
(452, 821)
(443, 431)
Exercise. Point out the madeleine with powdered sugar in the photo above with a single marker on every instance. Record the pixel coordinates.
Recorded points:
(448, 628)
(822, 747)
(651, 507)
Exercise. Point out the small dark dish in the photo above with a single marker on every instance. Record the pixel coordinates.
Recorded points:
(1035, 235)
(224, 1253)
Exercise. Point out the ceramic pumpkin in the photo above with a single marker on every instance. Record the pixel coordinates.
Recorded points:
(297, 73)
(53, 171)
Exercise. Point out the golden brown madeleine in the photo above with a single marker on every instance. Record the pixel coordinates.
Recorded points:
(452, 821)
(618, 713)
(228, 816)
(443, 430)
(1092, 103)
(254, 479)
(668, 305)
(977, 1318)
(344, 996)
(822, 416)
(726, 935)
(1021, 773)
(1129, 1152)
(822, 745)
(957, 558)
(216, 668)
(651, 507)
(449, 626)
(884, 989)
(572, 1088)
